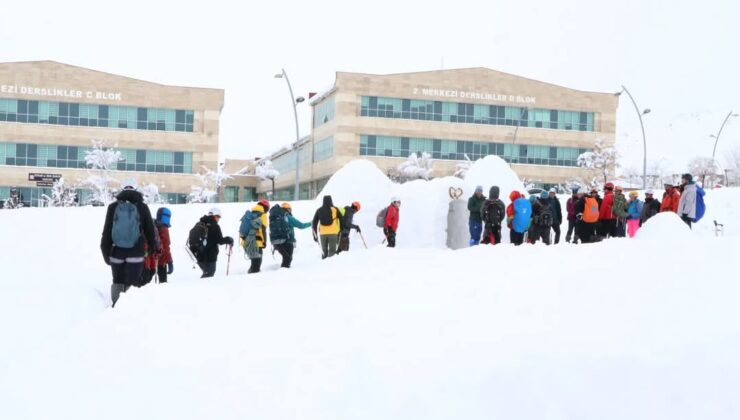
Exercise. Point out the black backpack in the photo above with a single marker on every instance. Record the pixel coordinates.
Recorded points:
(492, 213)
(325, 215)
(198, 239)
(544, 219)
(279, 228)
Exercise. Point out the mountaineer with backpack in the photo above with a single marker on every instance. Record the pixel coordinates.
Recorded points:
(587, 216)
(543, 218)
(650, 208)
(253, 234)
(570, 210)
(619, 209)
(634, 210)
(325, 227)
(160, 263)
(282, 233)
(557, 213)
(346, 225)
(204, 239)
(691, 205)
(387, 219)
(607, 219)
(128, 226)
(475, 224)
(492, 214)
(518, 216)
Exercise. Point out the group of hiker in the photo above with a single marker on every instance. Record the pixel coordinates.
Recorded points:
(590, 217)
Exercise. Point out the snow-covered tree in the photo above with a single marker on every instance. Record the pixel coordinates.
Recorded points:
(210, 185)
(417, 166)
(14, 201)
(100, 161)
(151, 194)
(265, 170)
(732, 165)
(602, 161)
(705, 168)
(462, 167)
(61, 195)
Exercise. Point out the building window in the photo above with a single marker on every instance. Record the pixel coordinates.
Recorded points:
(91, 115)
(413, 109)
(323, 112)
(323, 149)
(286, 162)
(231, 194)
(56, 156)
(373, 145)
(250, 194)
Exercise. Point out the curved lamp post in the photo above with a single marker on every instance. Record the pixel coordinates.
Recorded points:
(716, 139)
(294, 101)
(642, 126)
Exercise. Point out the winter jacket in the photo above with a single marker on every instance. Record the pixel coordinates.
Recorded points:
(293, 224)
(326, 212)
(606, 207)
(346, 221)
(164, 256)
(570, 208)
(493, 211)
(620, 206)
(650, 208)
(540, 207)
(475, 204)
(515, 195)
(147, 228)
(391, 218)
(687, 203)
(671, 198)
(557, 210)
(213, 240)
(634, 210)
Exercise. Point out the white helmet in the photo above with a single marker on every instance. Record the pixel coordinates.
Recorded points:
(129, 184)
(214, 212)
(395, 199)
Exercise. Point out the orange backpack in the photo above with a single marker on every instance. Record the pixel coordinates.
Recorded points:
(591, 210)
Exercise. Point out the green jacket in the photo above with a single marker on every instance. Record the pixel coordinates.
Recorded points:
(475, 205)
(620, 206)
(295, 223)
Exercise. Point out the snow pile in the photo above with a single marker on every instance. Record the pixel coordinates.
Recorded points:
(666, 226)
(492, 170)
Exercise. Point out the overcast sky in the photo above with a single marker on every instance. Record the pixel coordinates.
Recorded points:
(678, 58)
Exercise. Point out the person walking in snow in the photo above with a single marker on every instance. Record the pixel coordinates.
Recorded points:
(557, 213)
(650, 207)
(492, 214)
(671, 198)
(390, 227)
(214, 237)
(634, 211)
(571, 214)
(587, 216)
(687, 202)
(282, 233)
(475, 224)
(531, 229)
(620, 212)
(160, 263)
(543, 218)
(326, 227)
(346, 224)
(607, 219)
(253, 234)
(518, 217)
(128, 226)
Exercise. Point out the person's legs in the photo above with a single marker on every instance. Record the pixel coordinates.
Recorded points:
(255, 265)
(343, 242)
(686, 220)
(333, 242)
(544, 234)
(556, 229)
(517, 238)
(391, 239)
(162, 273)
(286, 251)
(118, 285)
(324, 239)
(209, 269)
(146, 275)
(571, 228)
(132, 271)
(497, 234)
(476, 227)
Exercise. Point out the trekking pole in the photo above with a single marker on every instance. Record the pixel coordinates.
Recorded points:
(363, 239)
(228, 260)
(156, 270)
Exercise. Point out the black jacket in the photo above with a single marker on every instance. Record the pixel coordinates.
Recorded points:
(147, 228)
(346, 221)
(557, 210)
(649, 209)
(213, 240)
(324, 212)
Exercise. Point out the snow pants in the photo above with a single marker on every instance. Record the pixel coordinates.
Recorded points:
(329, 245)
(686, 220)
(209, 268)
(256, 263)
(148, 274)
(585, 231)
(632, 227)
(475, 227)
(515, 237)
(286, 251)
(556, 229)
(126, 273)
(572, 232)
(390, 235)
(542, 233)
(343, 242)
(492, 235)
(607, 227)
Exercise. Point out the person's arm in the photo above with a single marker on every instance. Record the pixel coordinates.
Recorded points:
(164, 237)
(315, 223)
(471, 204)
(147, 225)
(106, 240)
(293, 222)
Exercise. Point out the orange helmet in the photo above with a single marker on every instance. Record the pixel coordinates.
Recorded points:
(356, 205)
(286, 206)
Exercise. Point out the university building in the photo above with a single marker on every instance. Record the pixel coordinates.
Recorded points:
(51, 112)
(453, 115)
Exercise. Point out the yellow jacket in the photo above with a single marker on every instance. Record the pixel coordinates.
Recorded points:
(333, 228)
(262, 232)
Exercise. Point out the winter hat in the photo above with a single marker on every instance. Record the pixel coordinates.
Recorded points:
(575, 190)
(650, 191)
(395, 199)
(129, 184)
(163, 215)
(214, 212)
(479, 189)
(544, 194)
(553, 190)
(286, 206)
(494, 192)
(687, 177)
(618, 188)
(264, 203)
(609, 186)
(667, 185)
(633, 194)
(532, 198)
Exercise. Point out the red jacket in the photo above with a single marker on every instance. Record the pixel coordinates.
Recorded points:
(605, 211)
(515, 195)
(165, 256)
(391, 218)
(670, 201)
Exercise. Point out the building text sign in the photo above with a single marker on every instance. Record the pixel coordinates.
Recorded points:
(44, 180)
(483, 96)
(57, 92)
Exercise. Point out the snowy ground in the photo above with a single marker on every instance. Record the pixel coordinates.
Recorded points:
(645, 328)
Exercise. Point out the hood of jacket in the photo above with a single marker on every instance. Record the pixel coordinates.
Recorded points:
(130, 195)
(328, 201)
(494, 192)
(515, 195)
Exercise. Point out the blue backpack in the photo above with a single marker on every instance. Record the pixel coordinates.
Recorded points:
(245, 225)
(522, 214)
(701, 208)
(126, 225)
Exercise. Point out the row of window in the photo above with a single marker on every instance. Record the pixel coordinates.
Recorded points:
(91, 115)
(324, 149)
(55, 156)
(392, 146)
(34, 196)
(412, 109)
(323, 112)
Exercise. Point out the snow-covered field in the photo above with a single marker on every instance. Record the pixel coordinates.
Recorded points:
(644, 328)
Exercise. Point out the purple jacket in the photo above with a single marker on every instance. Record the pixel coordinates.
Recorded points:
(570, 208)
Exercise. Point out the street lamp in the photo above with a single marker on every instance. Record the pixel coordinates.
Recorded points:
(719, 133)
(642, 126)
(294, 101)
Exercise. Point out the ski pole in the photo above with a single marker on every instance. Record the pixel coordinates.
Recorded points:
(228, 260)
(363, 239)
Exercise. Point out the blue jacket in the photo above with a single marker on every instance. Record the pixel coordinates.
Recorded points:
(634, 210)
(295, 223)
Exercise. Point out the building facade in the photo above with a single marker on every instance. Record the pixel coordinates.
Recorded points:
(51, 112)
(539, 128)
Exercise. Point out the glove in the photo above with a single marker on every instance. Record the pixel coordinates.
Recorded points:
(579, 216)
(315, 237)
(106, 258)
(229, 240)
(170, 267)
(242, 242)
(357, 228)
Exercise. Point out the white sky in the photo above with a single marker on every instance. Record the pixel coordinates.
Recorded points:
(679, 58)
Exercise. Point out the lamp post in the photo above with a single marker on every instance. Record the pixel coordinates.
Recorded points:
(719, 133)
(294, 101)
(642, 126)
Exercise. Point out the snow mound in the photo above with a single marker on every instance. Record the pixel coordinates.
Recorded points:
(492, 170)
(666, 226)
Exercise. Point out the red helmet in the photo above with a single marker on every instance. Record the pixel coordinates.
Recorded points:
(264, 203)
(609, 186)
(356, 205)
